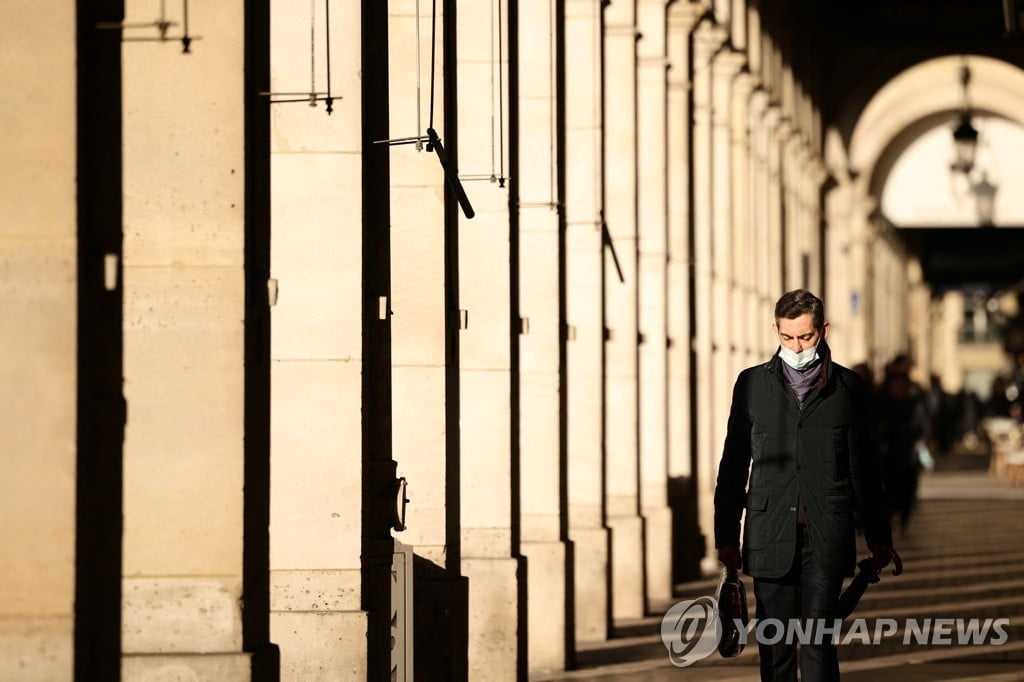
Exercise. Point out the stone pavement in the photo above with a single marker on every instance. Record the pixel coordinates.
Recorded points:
(962, 554)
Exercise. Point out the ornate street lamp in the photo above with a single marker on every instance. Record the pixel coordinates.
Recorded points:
(965, 135)
(985, 201)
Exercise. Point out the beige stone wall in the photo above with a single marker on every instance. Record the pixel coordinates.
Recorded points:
(37, 339)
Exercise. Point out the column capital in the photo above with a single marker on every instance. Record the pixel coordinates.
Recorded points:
(772, 115)
(727, 63)
(743, 85)
(725, 66)
(783, 128)
(710, 39)
(758, 99)
(683, 15)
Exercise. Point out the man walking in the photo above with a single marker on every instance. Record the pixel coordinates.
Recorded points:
(799, 458)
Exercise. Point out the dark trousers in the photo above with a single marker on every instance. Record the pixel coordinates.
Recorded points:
(804, 592)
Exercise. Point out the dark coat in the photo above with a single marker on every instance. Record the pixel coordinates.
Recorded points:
(821, 453)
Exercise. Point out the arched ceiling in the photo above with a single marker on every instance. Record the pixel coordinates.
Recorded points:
(920, 190)
(921, 93)
(900, 149)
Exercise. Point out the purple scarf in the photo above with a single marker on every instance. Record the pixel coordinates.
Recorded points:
(801, 382)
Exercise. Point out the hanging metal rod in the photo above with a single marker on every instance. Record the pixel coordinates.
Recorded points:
(161, 24)
(312, 96)
(403, 140)
(311, 100)
(606, 237)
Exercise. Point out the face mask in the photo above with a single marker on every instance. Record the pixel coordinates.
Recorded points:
(801, 360)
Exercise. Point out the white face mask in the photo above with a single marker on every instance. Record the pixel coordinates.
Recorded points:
(801, 360)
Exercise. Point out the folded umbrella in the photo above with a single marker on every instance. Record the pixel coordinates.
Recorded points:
(848, 600)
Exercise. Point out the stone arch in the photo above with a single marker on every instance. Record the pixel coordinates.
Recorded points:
(914, 100)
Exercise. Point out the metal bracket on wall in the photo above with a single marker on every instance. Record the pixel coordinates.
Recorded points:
(162, 25)
(313, 95)
(434, 145)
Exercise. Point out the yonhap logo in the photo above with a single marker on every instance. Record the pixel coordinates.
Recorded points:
(690, 630)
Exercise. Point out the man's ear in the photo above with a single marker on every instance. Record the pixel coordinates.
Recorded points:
(824, 330)
(775, 330)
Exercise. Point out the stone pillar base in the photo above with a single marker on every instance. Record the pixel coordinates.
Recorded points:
(316, 621)
(546, 605)
(658, 549)
(590, 576)
(627, 564)
(192, 667)
(493, 617)
(320, 645)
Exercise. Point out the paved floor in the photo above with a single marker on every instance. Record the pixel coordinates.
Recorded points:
(963, 553)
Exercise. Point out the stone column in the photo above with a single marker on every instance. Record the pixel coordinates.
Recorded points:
(424, 367)
(724, 68)
(948, 341)
(778, 131)
(585, 318)
(652, 232)
(621, 351)
(707, 40)
(744, 334)
(861, 247)
(38, 335)
(539, 338)
(316, 355)
(759, 314)
(681, 454)
(184, 160)
(789, 145)
(918, 323)
(842, 306)
(485, 376)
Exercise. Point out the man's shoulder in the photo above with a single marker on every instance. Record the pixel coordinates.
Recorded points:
(849, 379)
(754, 370)
(755, 375)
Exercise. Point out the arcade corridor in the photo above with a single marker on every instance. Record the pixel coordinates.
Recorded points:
(394, 339)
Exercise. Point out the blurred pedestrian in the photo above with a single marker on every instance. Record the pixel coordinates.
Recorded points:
(902, 428)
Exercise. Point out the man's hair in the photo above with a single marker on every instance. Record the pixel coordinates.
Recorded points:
(798, 302)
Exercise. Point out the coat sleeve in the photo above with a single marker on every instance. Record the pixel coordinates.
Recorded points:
(733, 469)
(865, 468)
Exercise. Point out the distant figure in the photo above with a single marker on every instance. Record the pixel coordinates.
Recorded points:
(902, 425)
(799, 462)
(940, 415)
(863, 370)
(998, 404)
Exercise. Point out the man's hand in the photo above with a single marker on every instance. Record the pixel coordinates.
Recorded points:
(881, 555)
(730, 557)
